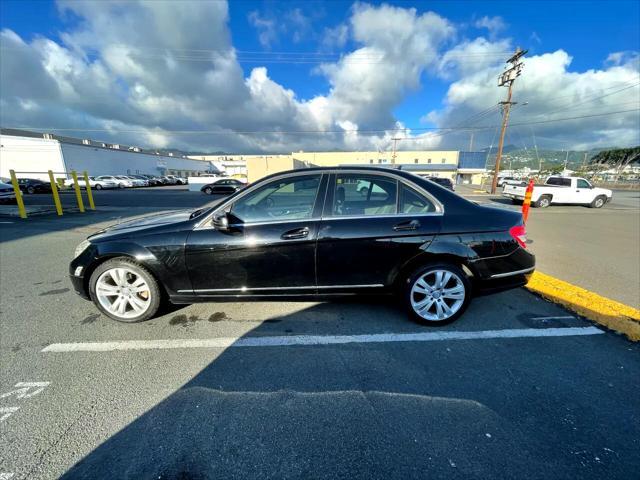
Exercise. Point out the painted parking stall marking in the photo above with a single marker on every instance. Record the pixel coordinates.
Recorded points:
(20, 392)
(307, 340)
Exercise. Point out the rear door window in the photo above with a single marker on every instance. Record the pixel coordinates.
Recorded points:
(363, 194)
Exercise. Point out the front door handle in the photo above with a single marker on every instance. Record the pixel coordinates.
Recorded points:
(296, 233)
(404, 226)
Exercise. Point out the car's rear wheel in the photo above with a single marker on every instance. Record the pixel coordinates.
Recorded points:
(437, 294)
(120, 185)
(31, 190)
(208, 190)
(98, 187)
(124, 291)
(544, 201)
(598, 202)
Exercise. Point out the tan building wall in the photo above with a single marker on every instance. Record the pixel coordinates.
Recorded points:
(259, 166)
(331, 159)
(436, 163)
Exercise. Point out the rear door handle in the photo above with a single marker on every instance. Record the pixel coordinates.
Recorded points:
(404, 226)
(296, 233)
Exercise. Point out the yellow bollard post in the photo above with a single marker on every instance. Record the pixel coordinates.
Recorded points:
(89, 194)
(54, 192)
(16, 189)
(76, 187)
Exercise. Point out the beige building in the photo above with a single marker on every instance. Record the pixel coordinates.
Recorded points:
(435, 163)
(460, 167)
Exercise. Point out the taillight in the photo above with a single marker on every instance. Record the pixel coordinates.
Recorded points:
(519, 233)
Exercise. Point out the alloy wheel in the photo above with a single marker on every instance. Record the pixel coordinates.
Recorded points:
(123, 292)
(599, 202)
(437, 295)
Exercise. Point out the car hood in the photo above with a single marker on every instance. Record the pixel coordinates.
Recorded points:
(139, 224)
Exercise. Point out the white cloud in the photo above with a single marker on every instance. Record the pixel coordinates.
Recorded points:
(493, 24)
(144, 82)
(551, 91)
(267, 30)
(336, 37)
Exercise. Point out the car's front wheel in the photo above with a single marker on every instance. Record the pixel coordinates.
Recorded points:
(208, 190)
(437, 294)
(124, 290)
(98, 186)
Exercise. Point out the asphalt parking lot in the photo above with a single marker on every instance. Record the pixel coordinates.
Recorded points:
(518, 387)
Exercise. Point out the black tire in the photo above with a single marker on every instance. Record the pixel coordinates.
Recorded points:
(515, 201)
(155, 293)
(543, 202)
(120, 185)
(208, 190)
(427, 270)
(31, 190)
(98, 187)
(598, 202)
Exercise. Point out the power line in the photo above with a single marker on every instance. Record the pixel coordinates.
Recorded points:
(304, 132)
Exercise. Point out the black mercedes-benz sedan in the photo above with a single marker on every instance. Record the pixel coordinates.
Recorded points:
(310, 233)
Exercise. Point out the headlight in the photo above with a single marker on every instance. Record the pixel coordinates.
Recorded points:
(82, 246)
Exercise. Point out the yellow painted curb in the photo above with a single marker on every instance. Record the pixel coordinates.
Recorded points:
(614, 315)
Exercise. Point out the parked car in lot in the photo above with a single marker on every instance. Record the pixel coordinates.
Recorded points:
(567, 190)
(223, 186)
(123, 181)
(177, 180)
(94, 182)
(34, 185)
(310, 233)
(153, 180)
(443, 182)
(502, 181)
(138, 180)
(119, 182)
(7, 193)
(167, 180)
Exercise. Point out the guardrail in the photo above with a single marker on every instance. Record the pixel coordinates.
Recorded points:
(54, 191)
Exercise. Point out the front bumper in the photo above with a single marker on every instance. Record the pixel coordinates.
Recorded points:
(78, 269)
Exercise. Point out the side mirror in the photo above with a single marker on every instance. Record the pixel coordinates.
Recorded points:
(221, 222)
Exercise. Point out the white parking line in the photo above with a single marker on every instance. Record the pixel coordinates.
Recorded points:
(565, 317)
(292, 340)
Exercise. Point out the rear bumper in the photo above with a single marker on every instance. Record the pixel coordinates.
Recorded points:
(515, 196)
(504, 272)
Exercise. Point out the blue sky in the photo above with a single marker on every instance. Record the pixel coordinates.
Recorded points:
(588, 32)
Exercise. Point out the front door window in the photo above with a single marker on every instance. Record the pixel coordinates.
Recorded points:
(285, 199)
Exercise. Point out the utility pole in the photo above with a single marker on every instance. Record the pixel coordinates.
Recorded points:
(566, 160)
(395, 142)
(507, 78)
(471, 142)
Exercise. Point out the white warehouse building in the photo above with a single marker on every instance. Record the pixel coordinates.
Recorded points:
(32, 154)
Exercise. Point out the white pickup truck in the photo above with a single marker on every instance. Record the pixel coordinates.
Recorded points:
(567, 190)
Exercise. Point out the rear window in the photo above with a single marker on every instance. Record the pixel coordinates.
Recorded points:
(414, 203)
(563, 182)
